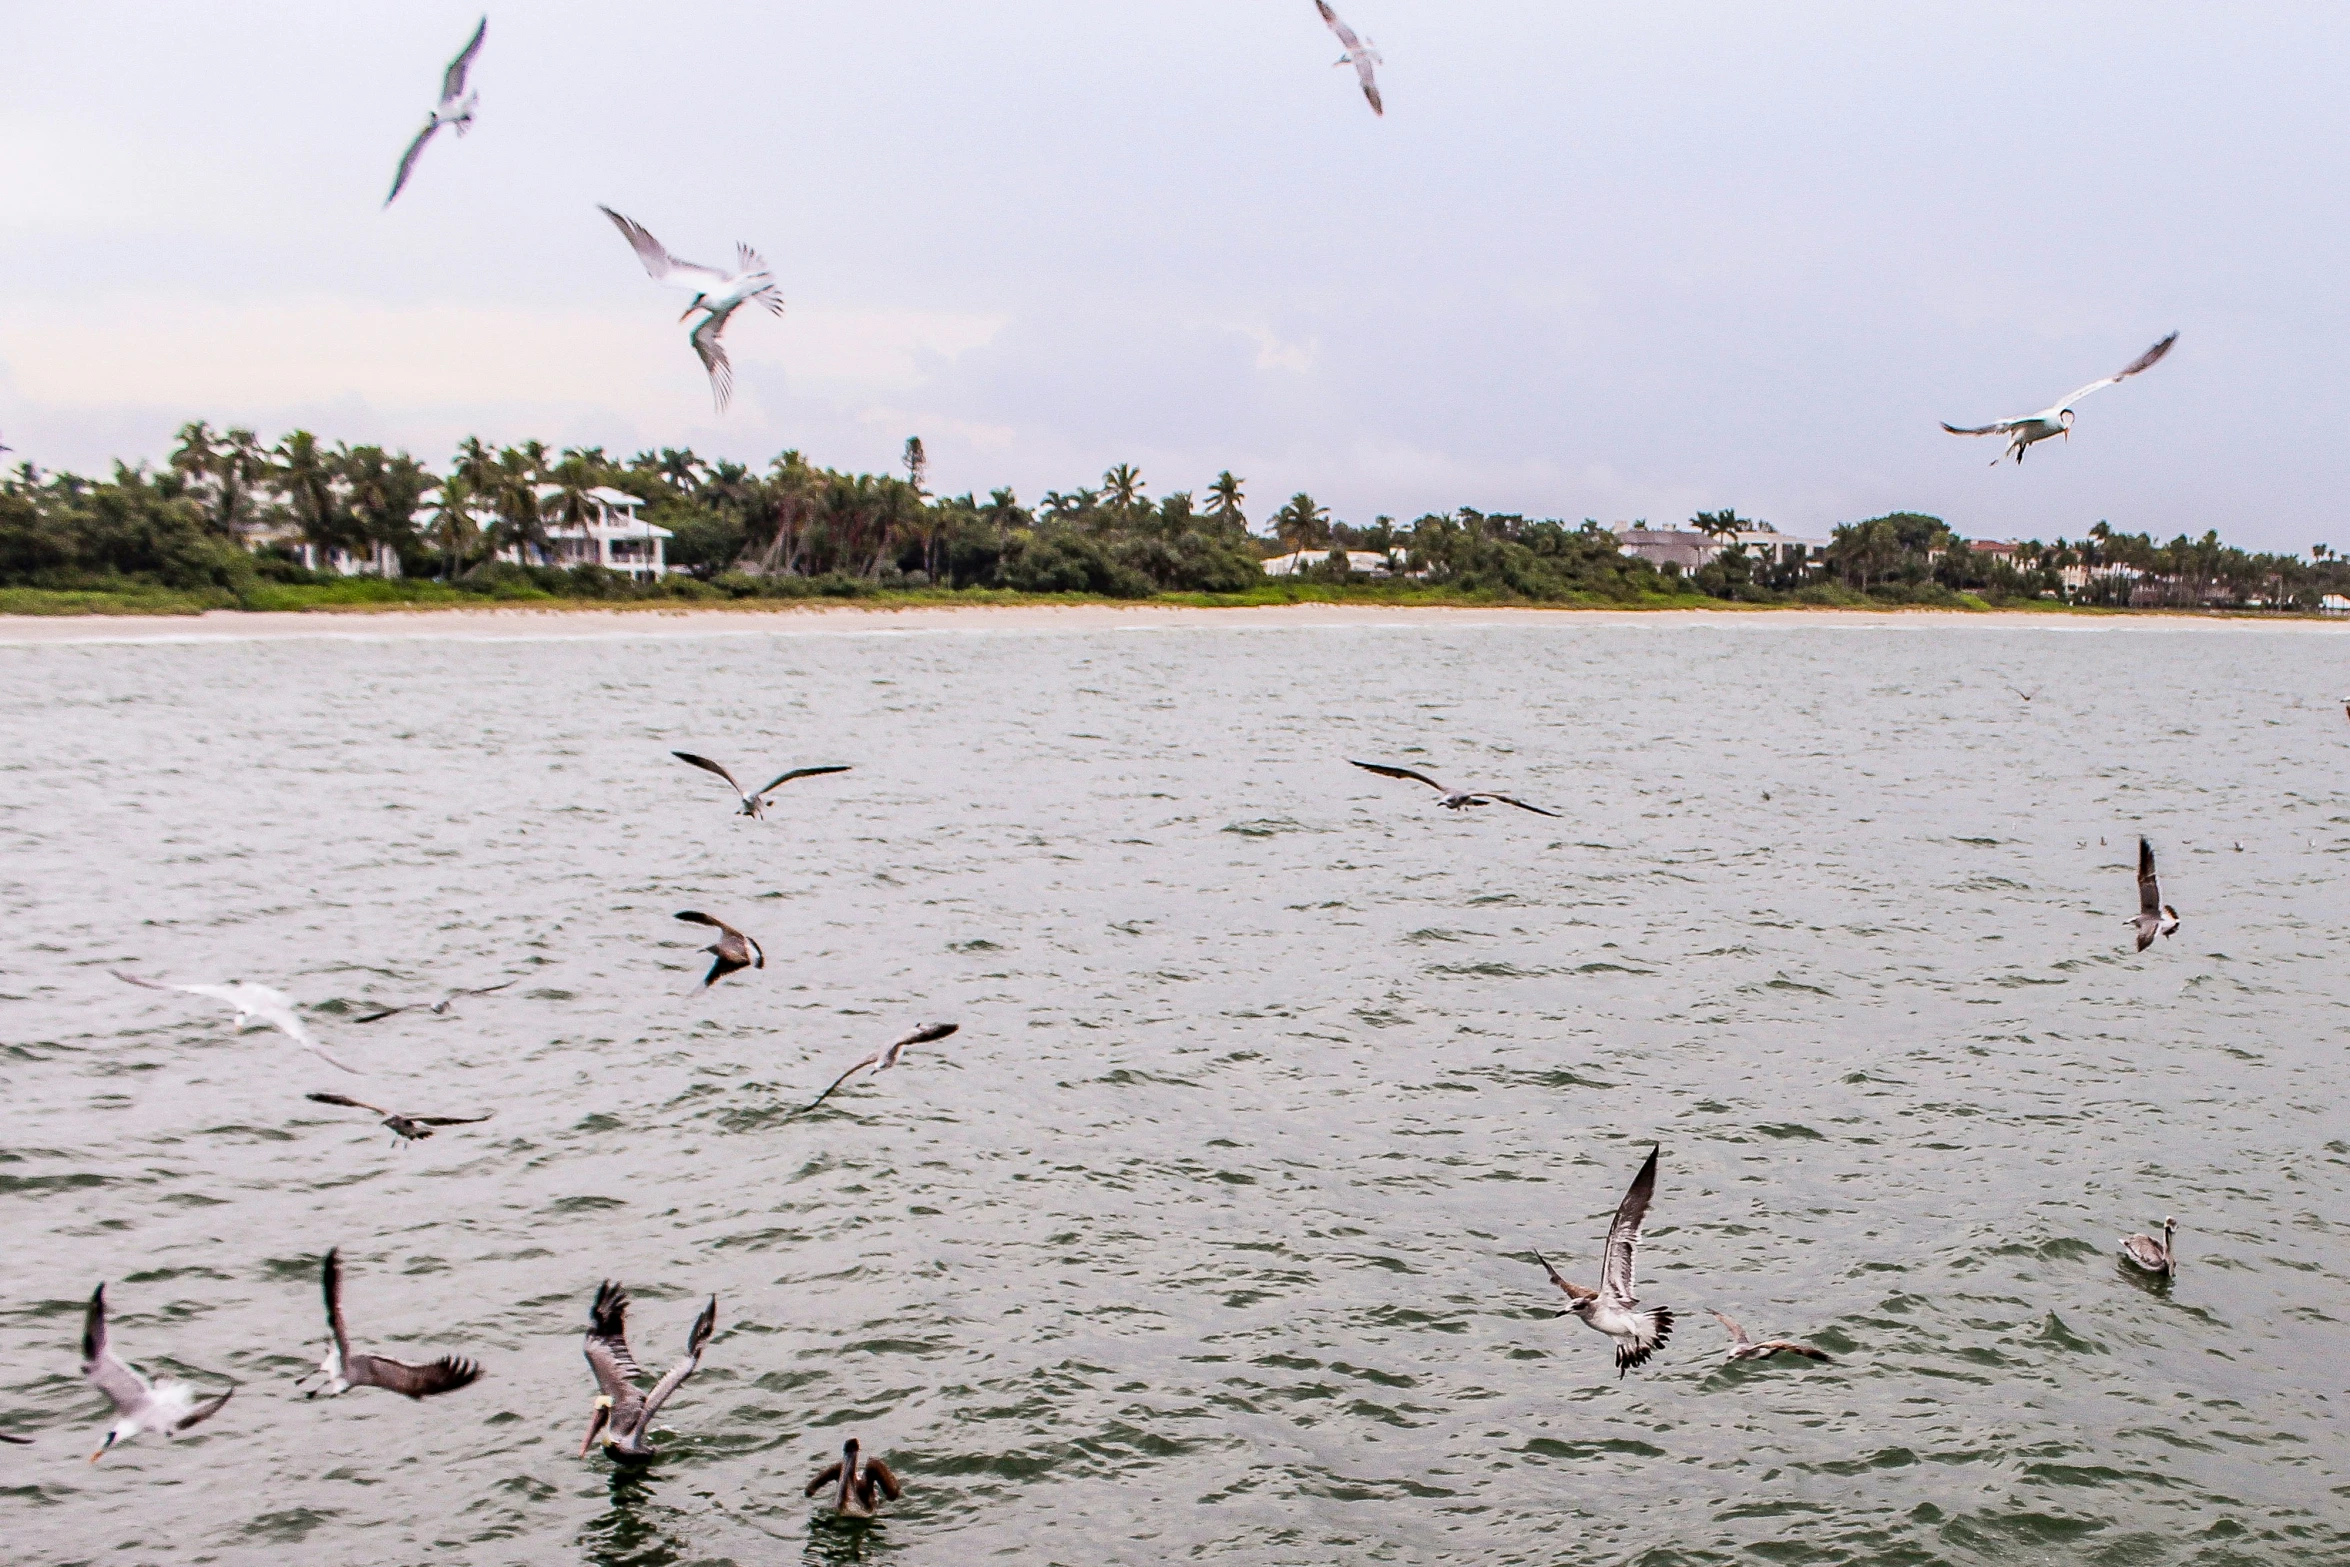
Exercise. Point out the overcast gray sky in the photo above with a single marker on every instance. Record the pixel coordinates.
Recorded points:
(1597, 260)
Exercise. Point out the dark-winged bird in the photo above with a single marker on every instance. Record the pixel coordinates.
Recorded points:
(1744, 1348)
(731, 951)
(2154, 917)
(1454, 799)
(858, 1484)
(623, 1420)
(454, 110)
(343, 1370)
(1613, 1307)
(755, 803)
(887, 1056)
(411, 1128)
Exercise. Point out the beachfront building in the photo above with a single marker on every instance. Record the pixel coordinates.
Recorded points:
(612, 536)
(1368, 563)
(369, 560)
(1689, 551)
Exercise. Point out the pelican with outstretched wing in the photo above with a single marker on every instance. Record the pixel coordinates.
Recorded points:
(2057, 420)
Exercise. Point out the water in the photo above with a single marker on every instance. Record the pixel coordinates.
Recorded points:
(1207, 1239)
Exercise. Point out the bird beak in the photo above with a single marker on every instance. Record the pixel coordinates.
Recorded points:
(596, 1425)
(102, 1447)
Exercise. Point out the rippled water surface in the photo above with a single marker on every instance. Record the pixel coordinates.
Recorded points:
(1208, 1239)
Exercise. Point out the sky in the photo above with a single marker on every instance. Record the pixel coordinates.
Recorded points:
(1620, 262)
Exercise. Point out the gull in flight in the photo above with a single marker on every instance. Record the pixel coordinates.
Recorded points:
(732, 950)
(1359, 53)
(755, 803)
(2026, 695)
(1454, 799)
(862, 1483)
(1744, 1348)
(2057, 420)
(624, 1415)
(455, 108)
(1610, 1308)
(715, 292)
(167, 1405)
(438, 1008)
(411, 1128)
(343, 1370)
(254, 1004)
(2149, 1255)
(883, 1059)
(2154, 917)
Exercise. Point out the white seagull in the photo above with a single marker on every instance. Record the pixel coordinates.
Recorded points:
(755, 802)
(716, 292)
(438, 1008)
(2056, 420)
(1610, 1309)
(2154, 917)
(455, 108)
(167, 1406)
(1359, 53)
(883, 1059)
(254, 1004)
(1454, 799)
(343, 1370)
(2149, 1255)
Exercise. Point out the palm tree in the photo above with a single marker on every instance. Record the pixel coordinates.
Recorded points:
(453, 529)
(1300, 523)
(307, 476)
(384, 492)
(1721, 524)
(1224, 504)
(1122, 488)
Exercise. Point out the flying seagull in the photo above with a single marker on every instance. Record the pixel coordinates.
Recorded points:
(343, 1370)
(413, 1128)
(2026, 695)
(1359, 53)
(732, 950)
(624, 1415)
(254, 1004)
(455, 108)
(2154, 917)
(883, 1059)
(168, 1406)
(2149, 1255)
(1744, 1348)
(2057, 420)
(438, 1008)
(755, 804)
(1454, 799)
(1609, 1309)
(717, 292)
(862, 1483)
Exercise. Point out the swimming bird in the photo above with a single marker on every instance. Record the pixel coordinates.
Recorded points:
(715, 291)
(454, 110)
(412, 1128)
(624, 1415)
(732, 950)
(1454, 799)
(862, 1482)
(254, 1004)
(438, 1008)
(755, 803)
(2150, 1255)
(1744, 1348)
(2057, 420)
(1359, 54)
(883, 1059)
(1610, 1308)
(167, 1405)
(343, 1370)
(2154, 917)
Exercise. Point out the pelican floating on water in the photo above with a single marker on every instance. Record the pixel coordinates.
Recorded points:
(717, 292)
(860, 1482)
(1454, 799)
(1744, 1348)
(254, 1004)
(731, 951)
(166, 1405)
(624, 1415)
(408, 1128)
(1359, 53)
(454, 110)
(438, 1008)
(886, 1057)
(343, 1370)
(755, 803)
(2057, 420)
(2154, 917)
(2149, 1255)
(1610, 1309)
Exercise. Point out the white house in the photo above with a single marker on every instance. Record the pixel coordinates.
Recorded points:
(378, 560)
(1690, 550)
(613, 537)
(1369, 563)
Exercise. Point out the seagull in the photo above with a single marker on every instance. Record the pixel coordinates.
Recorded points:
(413, 1128)
(2026, 695)
(1359, 53)
(1744, 1348)
(1454, 799)
(254, 1003)
(714, 291)
(624, 1415)
(882, 1060)
(2149, 1255)
(755, 804)
(344, 1370)
(1609, 1309)
(2154, 917)
(168, 1406)
(455, 108)
(732, 950)
(438, 1008)
(2057, 420)
(863, 1481)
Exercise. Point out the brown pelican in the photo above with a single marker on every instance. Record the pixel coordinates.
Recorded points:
(755, 804)
(2154, 917)
(438, 1008)
(1610, 1308)
(1359, 53)
(454, 110)
(732, 950)
(1454, 799)
(2150, 1255)
(883, 1059)
(1744, 1348)
(343, 1370)
(253, 1003)
(716, 292)
(624, 1415)
(166, 1405)
(412, 1128)
(2057, 420)
(862, 1482)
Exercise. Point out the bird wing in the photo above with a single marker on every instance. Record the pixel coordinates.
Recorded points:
(748, 261)
(330, 1283)
(709, 766)
(921, 1036)
(380, 1013)
(803, 772)
(2002, 427)
(347, 1102)
(1370, 85)
(20, 1441)
(674, 1378)
(607, 1343)
(881, 1474)
(1520, 804)
(1615, 1269)
(1572, 1291)
(444, 1375)
(2149, 889)
(720, 967)
(873, 1060)
(1773, 1346)
(408, 159)
(1385, 771)
(447, 1120)
(660, 265)
(453, 79)
(2144, 361)
(125, 1388)
(704, 337)
(828, 1475)
(202, 1412)
(209, 992)
(483, 990)
(697, 917)
(1346, 35)
(1737, 1333)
